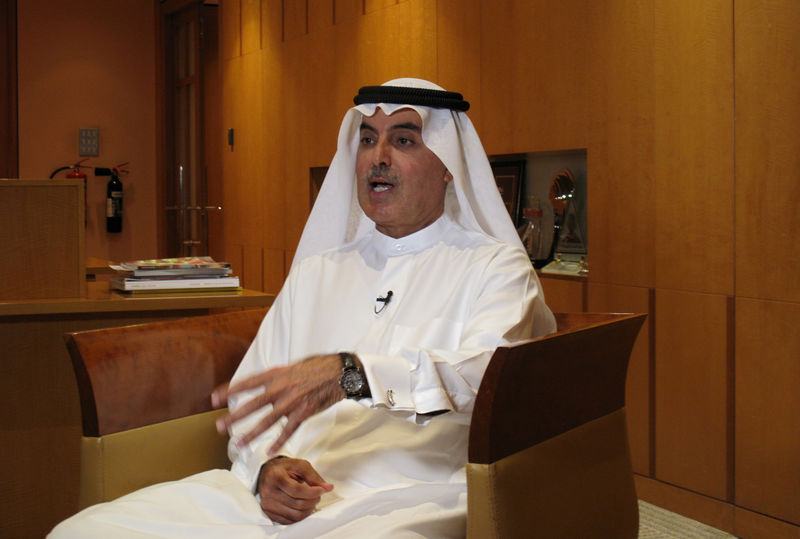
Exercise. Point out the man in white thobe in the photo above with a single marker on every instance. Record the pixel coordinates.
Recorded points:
(350, 411)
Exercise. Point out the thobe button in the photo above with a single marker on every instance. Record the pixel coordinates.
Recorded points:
(398, 248)
(390, 397)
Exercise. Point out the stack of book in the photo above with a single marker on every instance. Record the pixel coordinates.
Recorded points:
(185, 274)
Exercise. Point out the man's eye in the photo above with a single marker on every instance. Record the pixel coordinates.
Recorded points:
(403, 141)
(366, 140)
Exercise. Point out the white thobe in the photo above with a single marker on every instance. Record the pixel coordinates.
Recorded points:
(397, 468)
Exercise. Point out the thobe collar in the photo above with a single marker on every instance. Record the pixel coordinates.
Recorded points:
(413, 243)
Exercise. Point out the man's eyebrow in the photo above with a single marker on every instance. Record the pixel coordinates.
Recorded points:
(406, 125)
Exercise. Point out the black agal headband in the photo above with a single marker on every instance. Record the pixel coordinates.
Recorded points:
(403, 95)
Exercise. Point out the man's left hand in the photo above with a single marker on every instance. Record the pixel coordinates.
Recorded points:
(297, 391)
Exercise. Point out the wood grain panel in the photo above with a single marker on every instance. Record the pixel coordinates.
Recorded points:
(320, 14)
(295, 20)
(274, 265)
(751, 524)
(638, 390)
(230, 37)
(459, 53)
(692, 393)
(767, 148)
(620, 182)
(563, 295)
(251, 25)
(271, 25)
(252, 276)
(694, 145)
(767, 401)
(533, 75)
(42, 246)
(244, 163)
(234, 254)
(344, 10)
(375, 5)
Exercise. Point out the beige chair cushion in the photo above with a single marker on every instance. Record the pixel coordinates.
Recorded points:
(563, 487)
(116, 464)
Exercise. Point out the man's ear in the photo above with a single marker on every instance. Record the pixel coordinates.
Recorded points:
(447, 176)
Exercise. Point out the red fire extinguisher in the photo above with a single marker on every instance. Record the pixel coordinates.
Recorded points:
(114, 200)
(76, 174)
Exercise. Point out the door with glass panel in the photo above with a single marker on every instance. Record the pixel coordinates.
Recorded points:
(193, 194)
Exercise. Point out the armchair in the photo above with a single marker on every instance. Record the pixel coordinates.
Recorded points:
(548, 453)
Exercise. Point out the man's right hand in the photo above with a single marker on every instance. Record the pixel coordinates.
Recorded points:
(290, 489)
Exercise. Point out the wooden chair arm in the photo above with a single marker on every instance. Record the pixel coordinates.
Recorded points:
(537, 390)
(138, 375)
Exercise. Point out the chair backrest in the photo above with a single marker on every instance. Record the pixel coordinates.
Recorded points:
(145, 399)
(548, 453)
(132, 376)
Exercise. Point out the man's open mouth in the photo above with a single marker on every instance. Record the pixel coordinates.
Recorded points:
(380, 187)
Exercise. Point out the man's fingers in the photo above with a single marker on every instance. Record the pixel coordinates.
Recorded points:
(300, 410)
(284, 514)
(221, 394)
(256, 403)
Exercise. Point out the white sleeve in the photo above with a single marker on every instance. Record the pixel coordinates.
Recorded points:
(266, 351)
(509, 307)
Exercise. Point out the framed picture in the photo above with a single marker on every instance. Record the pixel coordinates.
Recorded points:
(508, 175)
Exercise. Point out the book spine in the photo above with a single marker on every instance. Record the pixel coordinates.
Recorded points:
(165, 284)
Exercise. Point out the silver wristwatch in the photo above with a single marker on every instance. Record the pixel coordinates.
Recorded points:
(352, 380)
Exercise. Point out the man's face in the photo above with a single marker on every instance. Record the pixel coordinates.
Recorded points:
(401, 183)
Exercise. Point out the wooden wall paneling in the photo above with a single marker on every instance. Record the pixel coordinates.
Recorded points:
(244, 163)
(621, 188)
(375, 5)
(458, 22)
(234, 255)
(399, 41)
(252, 276)
(274, 270)
(320, 14)
(346, 10)
(271, 25)
(692, 419)
(308, 121)
(752, 524)
(533, 75)
(251, 25)
(767, 401)
(694, 145)
(230, 34)
(767, 148)
(638, 390)
(295, 20)
(564, 294)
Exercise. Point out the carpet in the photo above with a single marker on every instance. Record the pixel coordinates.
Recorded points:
(658, 523)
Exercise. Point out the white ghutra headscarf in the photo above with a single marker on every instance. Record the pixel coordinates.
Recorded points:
(472, 198)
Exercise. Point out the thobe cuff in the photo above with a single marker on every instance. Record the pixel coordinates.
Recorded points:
(389, 379)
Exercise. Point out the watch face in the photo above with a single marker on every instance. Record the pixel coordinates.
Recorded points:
(352, 382)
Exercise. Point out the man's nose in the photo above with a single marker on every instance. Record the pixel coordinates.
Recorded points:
(382, 154)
